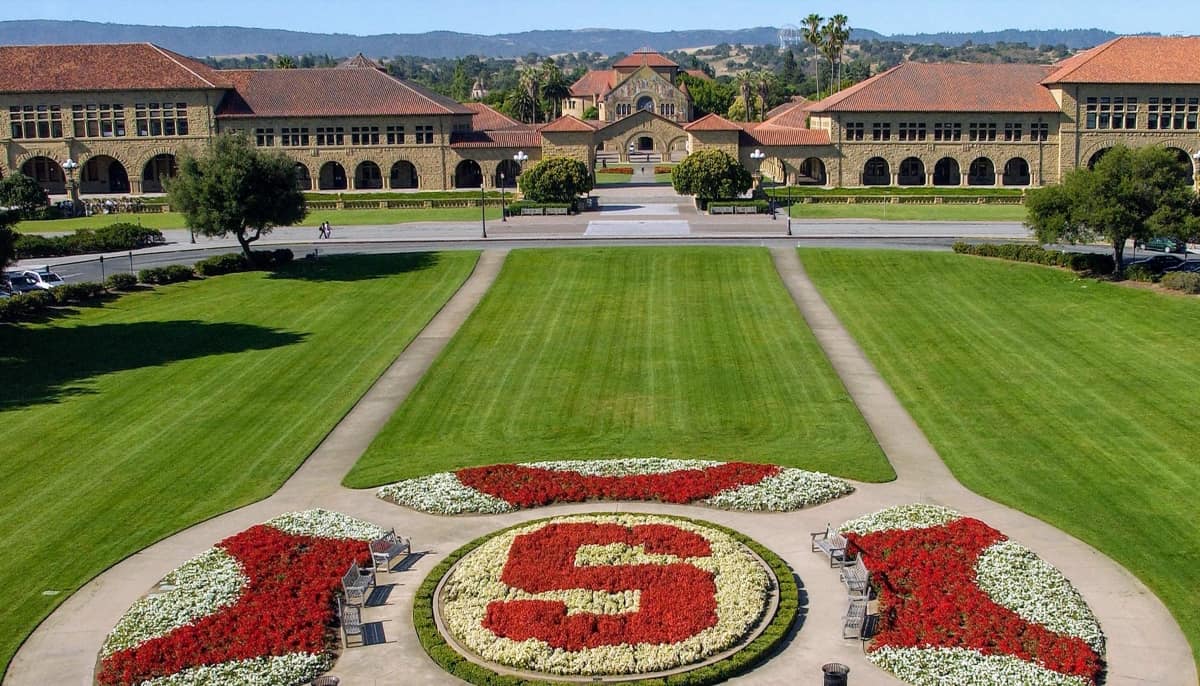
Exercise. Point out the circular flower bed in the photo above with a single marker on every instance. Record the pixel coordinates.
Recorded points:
(960, 603)
(606, 595)
(256, 608)
(507, 487)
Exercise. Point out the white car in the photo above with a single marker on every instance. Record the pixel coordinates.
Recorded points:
(42, 278)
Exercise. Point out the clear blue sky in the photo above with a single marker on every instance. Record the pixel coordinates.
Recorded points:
(407, 16)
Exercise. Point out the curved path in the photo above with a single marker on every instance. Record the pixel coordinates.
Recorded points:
(1145, 645)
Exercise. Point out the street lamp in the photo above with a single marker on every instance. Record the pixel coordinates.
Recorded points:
(631, 153)
(503, 207)
(520, 158)
(69, 166)
(758, 156)
(483, 205)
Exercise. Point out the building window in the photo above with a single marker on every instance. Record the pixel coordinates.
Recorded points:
(881, 132)
(855, 131)
(36, 121)
(364, 135)
(946, 131)
(161, 119)
(264, 138)
(395, 135)
(1013, 132)
(331, 136)
(98, 121)
(424, 135)
(666, 109)
(982, 132)
(910, 131)
(1039, 132)
(1172, 113)
(293, 138)
(624, 109)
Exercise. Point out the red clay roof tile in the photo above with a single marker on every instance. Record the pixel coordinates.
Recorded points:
(488, 118)
(524, 137)
(594, 83)
(1134, 59)
(568, 124)
(123, 66)
(773, 135)
(644, 57)
(918, 87)
(328, 93)
(712, 122)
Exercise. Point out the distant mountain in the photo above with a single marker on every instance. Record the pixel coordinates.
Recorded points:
(210, 41)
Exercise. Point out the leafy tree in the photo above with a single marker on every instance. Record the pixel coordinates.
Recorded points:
(460, 84)
(285, 62)
(711, 174)
(1131, 193)
(554, 87)
(556, 179)
(23, 194)
(234, 188)
(591, 112)
(790, 74)
(708, 97)
(8, 239)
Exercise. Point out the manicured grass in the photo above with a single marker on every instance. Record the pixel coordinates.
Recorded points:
(174, 220)
(636, 352)
(124, 424)
(975, 191)
(350, 196)
(606, 179)
(890, 212)
(1071, 400)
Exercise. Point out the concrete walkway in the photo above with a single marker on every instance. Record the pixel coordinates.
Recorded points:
(1145, 645)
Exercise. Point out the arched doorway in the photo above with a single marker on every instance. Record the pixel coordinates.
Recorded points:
(773, 171)
(645, 103)
(332, 177)
(981, 173)
(947, 173)
(677, 149)
(877, 172)
(47, 173)
(403, 175)
(510, 169)
(811, 173)
(1016, 172)
(912, 172)
(645, 144)
(157, 170)
(367, 176)
(1187, 168)
(103, 174)
(1096, 157)
(468, 175)
(303, 177)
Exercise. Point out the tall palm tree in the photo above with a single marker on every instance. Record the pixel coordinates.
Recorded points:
(745, 82)
(841, 34)
(554, 86)
(764, 82)
(531, 84)
(812, 36)
(829, 48)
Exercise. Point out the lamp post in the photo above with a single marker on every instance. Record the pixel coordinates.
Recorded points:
(69, 166)
(520, 158)
(631, 153)
(758, 156)
(482, 206)
(789, 210)
(503, 206)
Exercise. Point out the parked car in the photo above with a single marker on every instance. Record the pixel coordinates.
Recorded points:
(42, 277)
(1162, 263)
(1169, 245)
(19, 283)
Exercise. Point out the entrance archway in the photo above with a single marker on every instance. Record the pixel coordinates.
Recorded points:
(47, 173)
(947, 173)
(103, 174)
(1096, 157)
(468, 175)
(912, 172)
(367, 176)
(1187, 168)
(877, 172)
(645, 144)
(303, 178)
(511, 170)
(403, 175)
(332, 177)
(1016, 172)
(981, 173)
(157, 170)
(811, 173)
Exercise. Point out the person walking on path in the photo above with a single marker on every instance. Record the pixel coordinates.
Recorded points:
(321, 231)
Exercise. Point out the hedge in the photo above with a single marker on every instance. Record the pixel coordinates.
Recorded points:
(121, 282)
(159, 276)
(749, 656)
(1188, 282)
(76, 292)
(112, 238)
(222, 264)
(1095, 264)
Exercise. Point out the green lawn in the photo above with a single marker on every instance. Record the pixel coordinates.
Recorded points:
(898, 212)
(603, 179)
(636, 352)
(124, 424)
(174, 220)
(1072, 400)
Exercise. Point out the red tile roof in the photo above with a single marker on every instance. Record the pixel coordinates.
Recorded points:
(698, 73)
(328, 93)
(644, 57)
(712, 122)
(918, 87)
(793, 114)
(568, 124)
(124, 66)
(1134, 59)
(489, 119)
(594, 83)
(771, 134)
(524, 137)
(359, 61)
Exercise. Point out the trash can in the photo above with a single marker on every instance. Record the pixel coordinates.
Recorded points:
(835, 674)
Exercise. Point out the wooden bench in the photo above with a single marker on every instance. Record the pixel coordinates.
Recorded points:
(351, 619)
(745, 209)
(857, 579)
(356, 584)
(721, 209)
(387, 548)
(833, 544)
(557, 210)
(855, 620)
(531, 211)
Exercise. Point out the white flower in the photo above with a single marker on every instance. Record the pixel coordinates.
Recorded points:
(942, 666)
(442, 494)
(199, 587)
(326, 524)
(1014, 577)
(917, 516)
(283, 670)
(790, 489)
(628, 466)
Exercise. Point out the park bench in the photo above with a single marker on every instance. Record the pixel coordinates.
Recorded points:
(531, 211)
(351, 619)
(387, 548)
(721, 209)
(832, 543)
(356, 582)
(745, 209)
(855, 620)
(857, 579)
(557, 210)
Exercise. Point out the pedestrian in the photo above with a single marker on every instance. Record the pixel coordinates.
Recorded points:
(321, 230)
(328, 230)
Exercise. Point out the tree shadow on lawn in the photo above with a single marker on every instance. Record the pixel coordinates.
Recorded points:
(356, 267)
(42, 365)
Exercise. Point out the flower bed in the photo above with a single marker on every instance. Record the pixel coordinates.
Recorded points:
(508, 487)
(957, 598)
(254, 609)
(612, 594)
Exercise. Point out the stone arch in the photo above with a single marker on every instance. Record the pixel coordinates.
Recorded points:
(403, 174)
(677, 148)
(303, 177)
(1095, 156)
(982, 172)
(511, 170)
(47, 172)
(157, 169)
(947, 172)
(773, 171)
(332, 177)
(1185, 160)
(367, 176)
(1016, 172)
(812, 172)
(100, 174)
(468, 174)
(644, 103)
(911, 172)
(877, 172)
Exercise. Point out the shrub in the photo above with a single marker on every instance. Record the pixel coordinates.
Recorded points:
(112, 238)
(556, 179)
(1142, 273)
(1093, 263)
(121, 282)
(711, 174)
(163, 275)
(1188, 282)
(24, 305)
(76, 292)
(222, 264)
